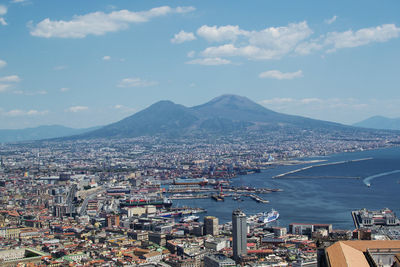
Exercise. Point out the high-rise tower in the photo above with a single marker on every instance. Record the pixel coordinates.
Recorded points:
(211, 225)
(239, 230)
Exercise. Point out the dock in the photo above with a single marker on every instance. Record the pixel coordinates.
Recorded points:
(258, 199)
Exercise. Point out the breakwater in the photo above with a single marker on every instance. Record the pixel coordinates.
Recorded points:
(283, 175)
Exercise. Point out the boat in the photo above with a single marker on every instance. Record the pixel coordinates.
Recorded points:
(219, 197)
(271, 216)
(191, 218)
(139, 202)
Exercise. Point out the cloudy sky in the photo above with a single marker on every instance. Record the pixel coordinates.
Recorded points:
(86, 63)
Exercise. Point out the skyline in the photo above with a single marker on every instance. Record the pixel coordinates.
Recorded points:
(108, 60)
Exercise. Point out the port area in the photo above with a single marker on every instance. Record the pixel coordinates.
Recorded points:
(219, 197)
(381, 223)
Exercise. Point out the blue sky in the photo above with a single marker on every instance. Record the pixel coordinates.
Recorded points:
(87, 63)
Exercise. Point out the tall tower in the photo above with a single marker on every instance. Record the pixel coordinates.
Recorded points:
(211, 225)
(239, 230)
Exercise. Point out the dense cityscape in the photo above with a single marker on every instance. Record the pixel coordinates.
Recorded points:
(110, 202)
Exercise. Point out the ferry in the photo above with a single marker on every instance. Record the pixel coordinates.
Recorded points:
(271, 216)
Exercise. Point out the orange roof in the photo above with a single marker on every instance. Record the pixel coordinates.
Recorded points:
(351, 253)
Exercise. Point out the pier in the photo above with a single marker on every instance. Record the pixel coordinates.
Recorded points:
(321, 165)
(258, 199)
(225, 190)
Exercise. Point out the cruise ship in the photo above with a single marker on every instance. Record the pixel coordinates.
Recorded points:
(271, 216)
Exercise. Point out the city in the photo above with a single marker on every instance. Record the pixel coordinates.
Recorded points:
(191, 133)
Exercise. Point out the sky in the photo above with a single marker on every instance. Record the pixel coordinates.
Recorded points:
(87, 63)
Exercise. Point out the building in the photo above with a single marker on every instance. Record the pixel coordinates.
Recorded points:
(239, 232)
(361, 253)
(113, 220)
(308, 228)
(218, 260)
(18, 257)
(211, 225)
(367, 218)
(217, 244)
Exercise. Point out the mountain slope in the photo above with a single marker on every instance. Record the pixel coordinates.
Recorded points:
(380, 122)
(239, 108)
(162, 117)
(222, 115)
(41, 132)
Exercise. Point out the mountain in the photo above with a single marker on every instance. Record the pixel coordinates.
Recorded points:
(162, 117)
(225, 114)
(41, 132)
(380, 122)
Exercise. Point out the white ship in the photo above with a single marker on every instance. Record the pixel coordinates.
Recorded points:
(271, 216)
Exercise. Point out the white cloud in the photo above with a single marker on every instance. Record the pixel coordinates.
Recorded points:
(183, 36)
(276, 74)
(76, 109)
(269, 43)
(10, 79)
(2, 63)
(191, 54)
(3, 10)
(6, 80)
(18, 1)
(214, 61)
(331, 20)
(20, 112)
(135, 82)
(106, 58)
(30, 93)
(277, 42)
(3, 22)
(4, 87)
(361, 37)
(306, 48)
(220, 34)
(348, 39)
(64, 89)
(99, 23)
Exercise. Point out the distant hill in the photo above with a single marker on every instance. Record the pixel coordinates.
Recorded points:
(226, 114)
(380, 122)
(41, 132)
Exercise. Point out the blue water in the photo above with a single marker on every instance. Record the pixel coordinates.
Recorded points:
(311, 200)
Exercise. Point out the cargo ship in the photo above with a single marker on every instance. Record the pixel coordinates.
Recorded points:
(139, 202)
(271, 216)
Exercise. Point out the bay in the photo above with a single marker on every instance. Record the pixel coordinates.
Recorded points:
(319, 200)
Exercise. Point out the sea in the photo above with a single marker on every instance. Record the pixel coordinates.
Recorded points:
(322, 194)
